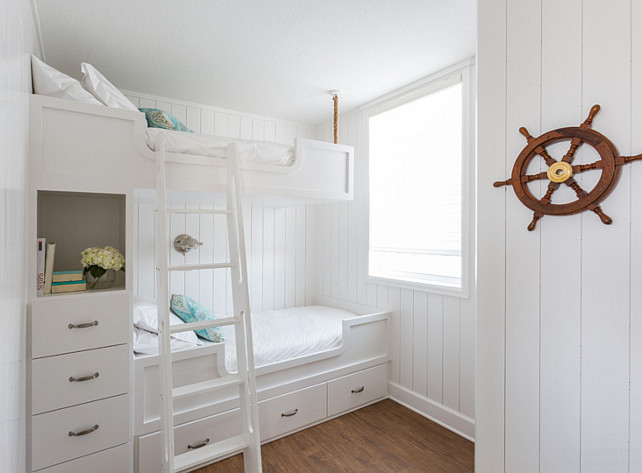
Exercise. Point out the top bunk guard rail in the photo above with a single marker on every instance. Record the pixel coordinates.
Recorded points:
(91, 148)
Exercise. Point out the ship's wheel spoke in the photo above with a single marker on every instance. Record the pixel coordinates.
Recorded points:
(552, 187)
(577, 141)
(540, 149)
(570, 154)
(578, 168)
(534, 177)
(544, 154)
(572, 183)
(598, 211)
(536, 216)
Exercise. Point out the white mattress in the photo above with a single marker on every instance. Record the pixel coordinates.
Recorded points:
(286, 334)
(257, 152)
(278, 335)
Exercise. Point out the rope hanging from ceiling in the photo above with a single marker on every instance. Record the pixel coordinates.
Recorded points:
(335, 99)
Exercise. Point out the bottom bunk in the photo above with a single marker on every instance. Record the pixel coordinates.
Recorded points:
(312, 363)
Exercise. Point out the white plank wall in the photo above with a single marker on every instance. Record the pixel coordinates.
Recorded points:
(569, 348)
(223, 122)
(275, 233)
(276, 251)
(432, 336)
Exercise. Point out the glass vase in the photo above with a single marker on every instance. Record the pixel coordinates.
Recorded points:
(103, 282)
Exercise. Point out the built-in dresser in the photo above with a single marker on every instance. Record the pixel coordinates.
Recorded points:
(79, 345)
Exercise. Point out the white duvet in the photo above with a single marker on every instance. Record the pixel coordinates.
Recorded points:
(285, 334)
(278, 335)
(257, 152)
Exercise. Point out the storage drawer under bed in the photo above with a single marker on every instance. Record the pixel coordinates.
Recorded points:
(277, 416)
(189, 436)
(357, 389)
(292, 411)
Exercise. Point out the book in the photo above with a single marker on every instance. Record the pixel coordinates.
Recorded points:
(68, 286)
(62, 276)
(40, 266)
(49, 264)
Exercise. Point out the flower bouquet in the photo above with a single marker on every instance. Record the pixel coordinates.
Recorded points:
(98, 261)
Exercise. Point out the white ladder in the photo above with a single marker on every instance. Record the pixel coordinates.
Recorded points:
(248, 442)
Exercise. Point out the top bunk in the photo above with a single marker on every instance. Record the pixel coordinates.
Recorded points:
(83, 147)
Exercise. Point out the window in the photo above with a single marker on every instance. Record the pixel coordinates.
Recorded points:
(418, 165)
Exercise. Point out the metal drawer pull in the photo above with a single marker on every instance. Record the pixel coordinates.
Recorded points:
(198, 445)
(289, 413)
(84, 378)
(87, 325)
(358, 390)
(84, 432)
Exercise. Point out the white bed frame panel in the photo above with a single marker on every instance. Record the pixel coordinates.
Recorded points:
(73, 143)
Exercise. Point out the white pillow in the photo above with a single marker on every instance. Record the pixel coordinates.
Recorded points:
(146, 318)
(52, 82)
(147, 343)
(104, 90)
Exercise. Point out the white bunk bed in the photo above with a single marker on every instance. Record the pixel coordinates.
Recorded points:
(79, 141)
(83, 148)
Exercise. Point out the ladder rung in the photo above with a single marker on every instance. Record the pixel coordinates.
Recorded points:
(203, 324)
(210, 453)
(199, 211)
(197, 267)
(206, 386)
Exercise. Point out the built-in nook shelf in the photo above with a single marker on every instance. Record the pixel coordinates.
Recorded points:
(79, 220)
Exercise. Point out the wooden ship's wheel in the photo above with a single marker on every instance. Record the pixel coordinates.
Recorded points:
(563, 171)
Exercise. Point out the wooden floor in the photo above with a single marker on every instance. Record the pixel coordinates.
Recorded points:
(382, 438)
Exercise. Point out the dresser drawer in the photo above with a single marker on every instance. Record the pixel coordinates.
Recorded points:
(200, 432)
(356, 389)
(68, 323)
(113, 460)
(292, 411)
(75, 378)
(51, 439)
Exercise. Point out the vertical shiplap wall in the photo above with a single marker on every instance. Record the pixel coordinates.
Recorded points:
(274, 230)
(224, 122)
(18, 42)
(560, 311)
(432, 336)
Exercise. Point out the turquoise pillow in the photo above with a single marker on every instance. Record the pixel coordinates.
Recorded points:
(188, 310)
(159, 119)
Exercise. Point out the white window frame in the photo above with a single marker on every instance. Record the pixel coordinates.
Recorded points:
(464, 71)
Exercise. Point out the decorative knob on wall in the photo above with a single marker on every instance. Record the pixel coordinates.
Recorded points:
(184, 243)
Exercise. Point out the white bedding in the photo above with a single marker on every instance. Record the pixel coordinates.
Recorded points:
(278, 335)
(257, 152)
(147, 342)
(285, 334)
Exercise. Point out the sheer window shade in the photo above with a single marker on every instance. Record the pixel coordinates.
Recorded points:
(415, 167)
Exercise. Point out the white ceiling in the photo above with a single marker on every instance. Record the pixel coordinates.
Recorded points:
(269, 57)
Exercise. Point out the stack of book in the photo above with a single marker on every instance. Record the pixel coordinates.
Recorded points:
(45, 262)
(67, 281)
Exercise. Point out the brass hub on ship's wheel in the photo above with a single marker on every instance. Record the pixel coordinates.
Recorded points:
(559, 172)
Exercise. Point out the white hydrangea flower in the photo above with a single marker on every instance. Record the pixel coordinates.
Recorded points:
(106, 258)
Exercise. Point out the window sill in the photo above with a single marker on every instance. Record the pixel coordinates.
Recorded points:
(459, 292)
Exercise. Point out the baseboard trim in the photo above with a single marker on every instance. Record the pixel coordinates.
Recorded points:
(442, 415)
